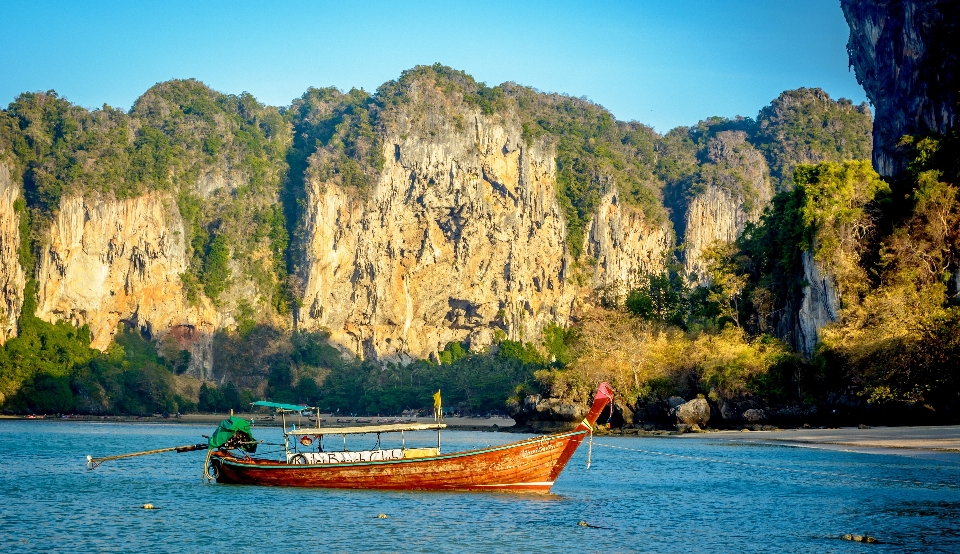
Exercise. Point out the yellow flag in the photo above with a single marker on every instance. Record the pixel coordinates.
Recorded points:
(436, 399)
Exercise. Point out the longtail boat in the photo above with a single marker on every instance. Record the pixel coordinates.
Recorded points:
(530, 465)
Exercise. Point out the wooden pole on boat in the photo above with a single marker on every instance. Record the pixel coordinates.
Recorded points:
(92, 462)
(286, 439)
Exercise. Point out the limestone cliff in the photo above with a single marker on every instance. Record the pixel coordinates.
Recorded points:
(722, 174)
(624, 246)
(461, 238)
(819, 305)
(425, 214)
(733, 189)
(905, 57)
(11, 274)
(436, 210)
(109, 261)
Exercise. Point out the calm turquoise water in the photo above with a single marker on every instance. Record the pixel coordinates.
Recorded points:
(711, 496)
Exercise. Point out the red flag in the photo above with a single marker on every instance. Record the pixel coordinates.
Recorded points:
(604, 391)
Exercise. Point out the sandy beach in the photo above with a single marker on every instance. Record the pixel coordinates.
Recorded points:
(942, 442)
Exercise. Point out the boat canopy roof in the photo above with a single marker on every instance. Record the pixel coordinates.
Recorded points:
(279, 406)
(392, 428)
(230, 427)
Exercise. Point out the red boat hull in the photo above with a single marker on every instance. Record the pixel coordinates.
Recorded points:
(526, 466)
(531, 465)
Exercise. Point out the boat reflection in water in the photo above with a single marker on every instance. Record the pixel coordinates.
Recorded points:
(531, 465)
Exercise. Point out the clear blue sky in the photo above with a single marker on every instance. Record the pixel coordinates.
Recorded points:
(661, 62)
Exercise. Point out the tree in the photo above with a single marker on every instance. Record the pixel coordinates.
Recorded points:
(838, 224)
(216, 269)
(726, 282)
(662, 298)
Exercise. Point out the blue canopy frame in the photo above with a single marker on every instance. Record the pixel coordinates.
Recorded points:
(279, 406)
(283, 409)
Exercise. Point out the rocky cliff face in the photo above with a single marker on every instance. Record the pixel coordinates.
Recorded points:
(11, 274)
(624, 246)
(819, 305)
(733, 190)
(109, 261)
(436, 210)
(904, 56)
(461, 239)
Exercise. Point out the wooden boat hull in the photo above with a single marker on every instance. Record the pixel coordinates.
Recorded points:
(530, 465)
(527, 466)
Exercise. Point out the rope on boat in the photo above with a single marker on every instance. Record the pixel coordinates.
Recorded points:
(776, 468)
(590, 449)
(207, 478)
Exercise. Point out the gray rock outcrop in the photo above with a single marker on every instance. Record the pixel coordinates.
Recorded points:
(694, 412)
(624, 246)
(818, 307)
(905, 57)
(546, 414)
(754, 415)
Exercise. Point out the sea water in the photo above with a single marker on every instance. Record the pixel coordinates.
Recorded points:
(704, 494)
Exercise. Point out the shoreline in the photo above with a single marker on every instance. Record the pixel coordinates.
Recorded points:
(945, 439)
(932, 439)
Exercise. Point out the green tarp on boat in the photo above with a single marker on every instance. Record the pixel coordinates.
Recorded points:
(228, 428)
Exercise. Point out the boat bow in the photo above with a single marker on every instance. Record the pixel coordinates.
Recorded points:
(603, 397)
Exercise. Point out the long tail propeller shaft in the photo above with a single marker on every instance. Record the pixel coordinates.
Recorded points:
(92, 462)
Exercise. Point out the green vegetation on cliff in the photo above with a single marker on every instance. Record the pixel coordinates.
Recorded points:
(225, 156)
(804, 126)
(334, 140)
(899, 333)
(50, 368)
(827, 214)
(596, 154)
(64, 149)
(717, 152)
(180, 138)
